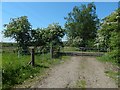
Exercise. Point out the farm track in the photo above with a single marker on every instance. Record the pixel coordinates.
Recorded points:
(78, 68)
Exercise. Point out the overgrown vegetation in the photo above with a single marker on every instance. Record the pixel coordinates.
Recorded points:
(109, 35)
(107, 58)
(16, 70)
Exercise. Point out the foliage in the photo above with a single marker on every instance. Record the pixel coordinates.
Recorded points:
(82, 24)
(107, 29)
(109, 35)
(19, 28)
(107, 58)
(48, 37)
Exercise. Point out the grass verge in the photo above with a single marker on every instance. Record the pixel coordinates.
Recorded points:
(107, 58)
(114, 74)
(16, 70)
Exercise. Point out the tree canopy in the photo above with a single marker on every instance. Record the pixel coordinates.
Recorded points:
(45, 36)
(19, 29)
(82, 24)
(109, 34)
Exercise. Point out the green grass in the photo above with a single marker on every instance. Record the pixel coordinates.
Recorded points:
(107, 58)
(16, 70)
(70, 49)
(81, 84)
(114, 75)
(110, 73)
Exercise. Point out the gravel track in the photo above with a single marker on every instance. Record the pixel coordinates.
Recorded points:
(78, 68)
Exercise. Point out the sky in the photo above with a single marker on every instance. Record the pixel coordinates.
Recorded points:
(41, 14)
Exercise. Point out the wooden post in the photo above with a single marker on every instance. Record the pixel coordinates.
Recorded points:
(32, 57)
(51, 51)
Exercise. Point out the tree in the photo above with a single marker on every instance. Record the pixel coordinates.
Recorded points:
(82, 24)
(19, 29)
(109, 34)
(55, 34)
(39, 37)
(47, 38)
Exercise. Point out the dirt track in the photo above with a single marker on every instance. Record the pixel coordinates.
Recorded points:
(78, 68)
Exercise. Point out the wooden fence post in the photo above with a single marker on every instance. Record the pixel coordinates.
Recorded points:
(32, 57)
(51, 51)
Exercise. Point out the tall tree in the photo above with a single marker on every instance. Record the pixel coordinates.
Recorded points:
(82, 24)
(19, 29)
(109, 34)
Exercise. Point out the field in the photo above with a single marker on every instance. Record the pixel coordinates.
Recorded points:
(16, 69)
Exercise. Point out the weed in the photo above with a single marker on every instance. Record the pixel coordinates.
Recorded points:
(114, 75)
(81, 84)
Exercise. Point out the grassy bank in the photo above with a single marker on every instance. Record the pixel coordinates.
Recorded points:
(107, 58)
(16, 70)
(113, 71)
